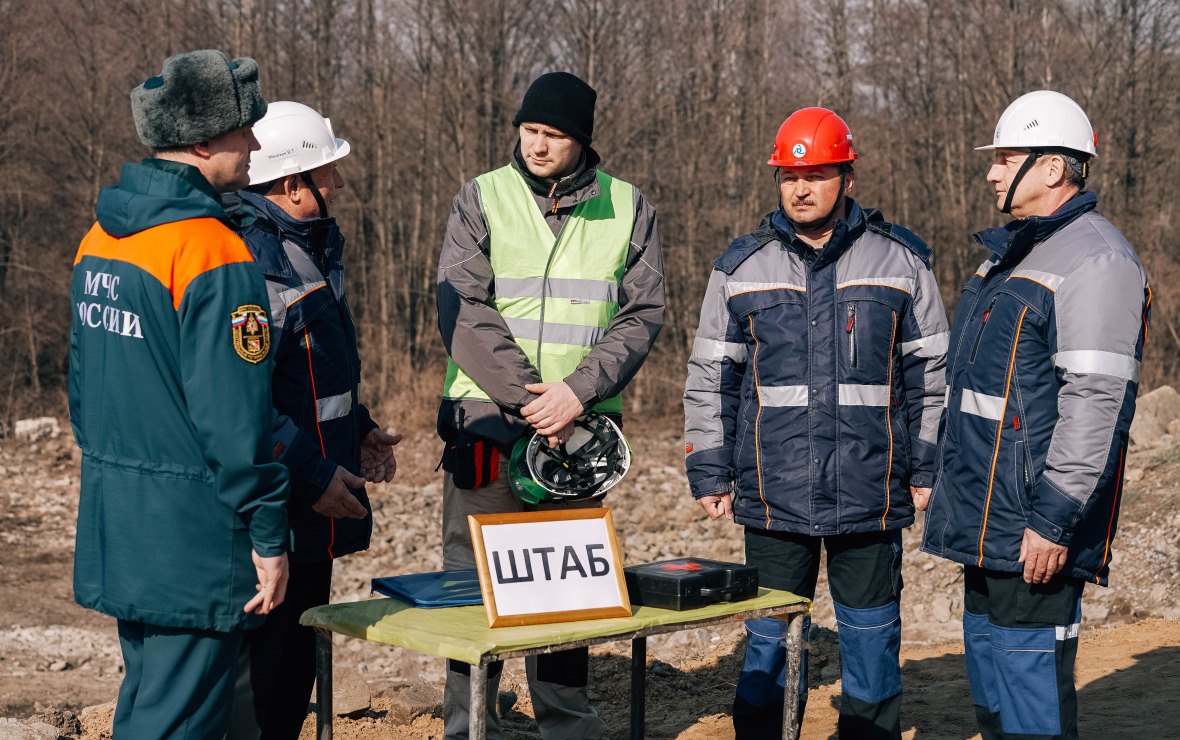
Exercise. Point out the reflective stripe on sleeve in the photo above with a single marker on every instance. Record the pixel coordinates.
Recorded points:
(981, 404)
(1082, 361)
(333, 407)
(713, 350)
(931, 346)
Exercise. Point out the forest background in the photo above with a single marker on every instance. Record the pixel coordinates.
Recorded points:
(690, 95)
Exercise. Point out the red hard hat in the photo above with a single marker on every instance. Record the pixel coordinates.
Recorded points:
(811, 137)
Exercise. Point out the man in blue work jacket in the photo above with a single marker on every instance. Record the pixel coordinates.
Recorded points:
(321, 433)
(811, 410)
(1041, 386)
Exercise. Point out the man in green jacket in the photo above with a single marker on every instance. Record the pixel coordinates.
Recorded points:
(170, 403)
(550, 296)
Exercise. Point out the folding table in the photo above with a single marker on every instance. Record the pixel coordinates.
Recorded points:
(462, 634)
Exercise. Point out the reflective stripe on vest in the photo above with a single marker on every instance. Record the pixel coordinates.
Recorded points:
(557, 296)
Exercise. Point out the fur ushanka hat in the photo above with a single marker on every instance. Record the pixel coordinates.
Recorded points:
(199, 95)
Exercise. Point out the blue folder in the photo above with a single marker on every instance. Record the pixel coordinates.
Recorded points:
(433, 590)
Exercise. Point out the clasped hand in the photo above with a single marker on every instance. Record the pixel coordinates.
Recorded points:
(553, 412)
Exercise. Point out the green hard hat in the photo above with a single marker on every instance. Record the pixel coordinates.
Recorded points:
(594, 460)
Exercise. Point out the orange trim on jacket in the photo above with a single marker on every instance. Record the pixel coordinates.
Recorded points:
(991, 479)
(315, 400)
(174, 253)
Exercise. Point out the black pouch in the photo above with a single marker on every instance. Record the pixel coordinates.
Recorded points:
(472, 462)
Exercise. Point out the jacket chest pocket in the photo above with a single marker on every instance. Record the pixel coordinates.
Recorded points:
(776, 331)
(866, 332)
(992, 338)
(324, 349)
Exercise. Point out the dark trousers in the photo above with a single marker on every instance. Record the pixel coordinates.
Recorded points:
(179, 682)
(276, 667)
(864, 577)
(1021, 642)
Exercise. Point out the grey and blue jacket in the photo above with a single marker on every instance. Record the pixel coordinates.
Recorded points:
(1043, 374)
(319, 422)
(815, 383)
(478, 339)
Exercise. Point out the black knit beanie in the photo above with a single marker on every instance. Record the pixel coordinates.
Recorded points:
(560, 100)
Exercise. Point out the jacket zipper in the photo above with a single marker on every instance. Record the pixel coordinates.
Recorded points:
(556, 200)
(545, 283)
(982, 325)
(758, 422)
(1025, 463)
(850, 330)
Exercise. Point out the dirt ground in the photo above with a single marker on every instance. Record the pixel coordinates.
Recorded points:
(55, 655)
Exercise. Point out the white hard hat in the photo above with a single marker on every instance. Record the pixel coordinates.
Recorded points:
(294, 139)
(1044, 119)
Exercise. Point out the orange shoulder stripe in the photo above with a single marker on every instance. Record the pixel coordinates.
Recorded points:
(175, 253)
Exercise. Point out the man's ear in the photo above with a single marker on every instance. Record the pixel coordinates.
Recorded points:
(291, 186)
(1055, 170)
(849, 181)
(201, 149)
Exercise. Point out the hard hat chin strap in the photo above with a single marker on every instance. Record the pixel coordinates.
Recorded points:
(1025, 166)
(315, 193)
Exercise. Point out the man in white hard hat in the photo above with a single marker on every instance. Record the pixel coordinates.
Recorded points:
(1041, 381)
(321, 431)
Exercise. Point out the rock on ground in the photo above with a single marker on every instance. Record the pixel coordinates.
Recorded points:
(14, 729)
(1154, 412)
(35, 430)
(351, 696)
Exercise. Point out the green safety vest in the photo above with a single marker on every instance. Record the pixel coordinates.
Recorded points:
(557, 296)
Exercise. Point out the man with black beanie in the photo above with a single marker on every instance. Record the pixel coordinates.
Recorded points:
(550, 296)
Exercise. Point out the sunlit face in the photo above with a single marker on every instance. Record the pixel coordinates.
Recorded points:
(1033, 196)
(809, 194)
(228, 165)
(1005, 164)
(548, 152)
(328, 180)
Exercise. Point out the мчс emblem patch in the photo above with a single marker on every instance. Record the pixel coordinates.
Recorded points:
(251, 333)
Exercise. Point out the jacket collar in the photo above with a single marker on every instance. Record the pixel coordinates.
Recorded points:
(581, 185)
(846, 231)
(1011, 242)
(156, 192)
(319, 237)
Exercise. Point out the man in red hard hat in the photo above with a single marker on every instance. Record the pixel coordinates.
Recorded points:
(812, 405)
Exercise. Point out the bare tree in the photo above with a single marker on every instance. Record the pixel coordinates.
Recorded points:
(691, 93)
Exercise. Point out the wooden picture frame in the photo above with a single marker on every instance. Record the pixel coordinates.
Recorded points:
(523, 593)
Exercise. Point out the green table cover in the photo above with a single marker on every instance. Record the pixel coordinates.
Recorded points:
(462, 633)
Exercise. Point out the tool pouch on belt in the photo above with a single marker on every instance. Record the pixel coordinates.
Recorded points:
(472, 462)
